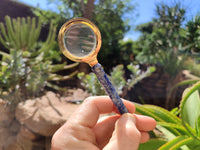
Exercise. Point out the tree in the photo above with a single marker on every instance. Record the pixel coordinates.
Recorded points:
(163, 37)
(193, 29)
(109, 16)
(161, 42)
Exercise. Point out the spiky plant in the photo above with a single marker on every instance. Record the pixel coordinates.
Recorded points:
(177, 132)
(28, 65)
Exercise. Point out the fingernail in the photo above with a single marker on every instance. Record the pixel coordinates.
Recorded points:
(130, 117)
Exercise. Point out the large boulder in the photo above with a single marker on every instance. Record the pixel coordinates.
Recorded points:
(44, 115)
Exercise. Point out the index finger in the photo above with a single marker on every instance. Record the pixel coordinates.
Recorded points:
(88, 113)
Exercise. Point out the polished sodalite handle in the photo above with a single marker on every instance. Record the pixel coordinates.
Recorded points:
(105, 82)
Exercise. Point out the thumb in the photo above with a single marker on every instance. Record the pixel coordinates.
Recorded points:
(125, 136)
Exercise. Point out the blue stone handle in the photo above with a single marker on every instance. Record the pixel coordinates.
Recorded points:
(110, 90)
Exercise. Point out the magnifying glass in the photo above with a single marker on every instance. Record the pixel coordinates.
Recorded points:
(80, 41)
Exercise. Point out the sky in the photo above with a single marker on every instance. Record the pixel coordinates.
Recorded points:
(145, 9)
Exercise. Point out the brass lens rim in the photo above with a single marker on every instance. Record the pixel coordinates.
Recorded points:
(91, 58)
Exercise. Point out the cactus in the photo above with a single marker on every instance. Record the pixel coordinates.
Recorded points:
(28, 66)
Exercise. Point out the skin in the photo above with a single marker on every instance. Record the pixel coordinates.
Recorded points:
(85, 131)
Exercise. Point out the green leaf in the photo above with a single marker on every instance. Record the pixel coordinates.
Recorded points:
(170, 144)
(31, 32)
(185, 82)
(197, 126)
(183, 144)
(58, 67)
(4, 54)
(163, 113)
(167, 134)
(56, 77)
(48, 84)
(191, 111)
(152, 144)
(17, 33)
(142, 110)
(3, 31)
(184, 109)
(179, 127)
(10, 32)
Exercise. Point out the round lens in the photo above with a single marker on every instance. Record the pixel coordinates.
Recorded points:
(79, 40)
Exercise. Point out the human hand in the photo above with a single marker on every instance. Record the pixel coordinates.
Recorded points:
(118, 132)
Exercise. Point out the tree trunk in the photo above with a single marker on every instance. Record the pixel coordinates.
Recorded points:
(87, 13)
(171, 95)
(89, 9)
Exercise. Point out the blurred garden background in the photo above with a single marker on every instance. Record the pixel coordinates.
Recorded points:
(150, 51)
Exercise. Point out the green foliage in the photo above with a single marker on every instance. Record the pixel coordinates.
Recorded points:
(162, 39)
(47, 16)
(193, 38)
(111, 17)
(117, 78)
(137, 74)
(28, 66)
(91, 84)
(152, 144)
(171, 62)
(178, 132)
(193, 34)
(128, 49)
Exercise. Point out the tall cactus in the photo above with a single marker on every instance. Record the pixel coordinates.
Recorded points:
(28, 67)
(20, 33)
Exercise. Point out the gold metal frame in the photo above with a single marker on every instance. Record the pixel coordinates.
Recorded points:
(91, 58)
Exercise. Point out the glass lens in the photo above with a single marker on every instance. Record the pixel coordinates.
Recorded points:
(79, 40)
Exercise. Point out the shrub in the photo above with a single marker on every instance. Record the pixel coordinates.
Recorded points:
(117, 78)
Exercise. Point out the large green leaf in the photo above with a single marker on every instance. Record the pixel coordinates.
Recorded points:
(191, 111)
(167, 134)
(152, 144)
(170, 145)
(178, 127)
(158, 113)
(161, 115)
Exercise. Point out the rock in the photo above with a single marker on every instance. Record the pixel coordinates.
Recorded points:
(11, 144)
(4, 134)
(45, 115)
(6, 115)
(14, 126)
(24, 143)
(27, 134)
(76, 95)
